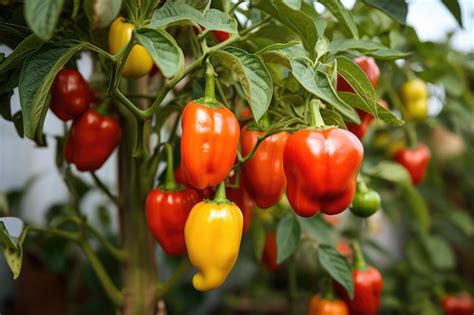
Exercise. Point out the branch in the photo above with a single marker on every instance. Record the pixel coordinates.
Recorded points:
(118, 253)
(162, 288)
(105, 189)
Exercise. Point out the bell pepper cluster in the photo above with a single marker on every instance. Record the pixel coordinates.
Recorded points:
(93, 135)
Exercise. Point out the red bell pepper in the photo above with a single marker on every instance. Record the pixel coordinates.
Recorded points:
(458, 305)
(415, 160)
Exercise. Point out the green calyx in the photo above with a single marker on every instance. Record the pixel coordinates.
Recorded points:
(220, 196)
(210, 90)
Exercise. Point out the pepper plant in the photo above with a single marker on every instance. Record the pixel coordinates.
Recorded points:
(272, 97)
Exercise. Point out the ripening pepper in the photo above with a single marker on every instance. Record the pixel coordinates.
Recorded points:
(92, 139)
(242, 200)
(368, 285)
(167, 209)
(209, 140)
(264, 176)
(414, 96)
(321, 167)
(269, 255)
(415, 160)
(365, 120)
(369, 66)
(221, 36)
(70, 94)
(321, 306)
(458, 305)
(366, 201)
(213, 233)
(139, 62)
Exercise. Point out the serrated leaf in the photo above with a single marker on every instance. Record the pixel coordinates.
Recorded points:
(397, 10)
(337, 267)
(36, 77)
(319, 84)
(342, 14)
(102, 12)
(288, 235)
(42, 16)
(383, 113)
(257, 233)
(173, 13)
(163, 49)
(253, 76)
(359, 81)
(26, 47)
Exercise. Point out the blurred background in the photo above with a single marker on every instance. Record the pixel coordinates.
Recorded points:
(31, 174)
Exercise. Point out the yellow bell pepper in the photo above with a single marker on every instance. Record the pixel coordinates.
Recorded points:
(213, 233)
(139, 62)
(415, 99)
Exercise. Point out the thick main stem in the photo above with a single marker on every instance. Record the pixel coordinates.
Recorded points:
(139, 272)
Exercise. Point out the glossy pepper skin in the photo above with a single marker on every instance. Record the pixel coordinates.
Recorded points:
(213, 233)
(221, 36)
(70, 94)
(415, 160)
(414, 94)
(369, 66)
(208, 144)
(139, 62)
(321, 168)
(206, 193)
(166, 215)
(368, 286)
(269, 255)
(242, 200)
(91, 140)
(320, 306)
(264, 176)
(458, 305)
(366, 201)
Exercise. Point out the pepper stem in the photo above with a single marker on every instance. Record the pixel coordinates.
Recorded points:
(411, 133)
(210, 91)
(317, 120)
(220, 193)
(170, 182)
(361, 185)
(359, 261)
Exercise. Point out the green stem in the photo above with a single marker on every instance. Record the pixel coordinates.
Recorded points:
(220, 196)
(316, 118)
(119, 254)
(55, 232)
(210, 90)
(170, 182)
(104, 189)
(115, 295)
(359, 261)
(162, 288)
(411, 134)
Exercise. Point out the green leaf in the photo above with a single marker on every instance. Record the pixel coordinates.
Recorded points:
(102, 12)
(173, 13)
(12, 249)
(287, 237)
(277, 46)
(25, 48)
(333, 118)
(337, 266)
(201, 5)
(296, 20)
(292, 4)
(318, 228)
(42, 16)
(318, 83)
(253, 76)
(441, 254)
(5, 239)
(342, 14)
(397, 174)
(18, 122)
(257, 233)
(37, 75)
(383, 113)
(163, 49)
(455, 9)
(367, 47)
(359, 81)
(397, 10)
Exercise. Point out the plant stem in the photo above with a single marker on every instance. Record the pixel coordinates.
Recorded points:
(55, 232)
(170, 182)
(359, 261)
(105, 189)
(162, 288)
(411, 135)
(119, 254)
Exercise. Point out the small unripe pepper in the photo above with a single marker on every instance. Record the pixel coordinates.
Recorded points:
(213, 233)
(167, 209)
(139, 62)
(321, 168)
(92, 139)
(264, 176)
(415, 160)
(210, 139)
(70, 94)
(368, 285)
(366, 201)
(322, 306)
